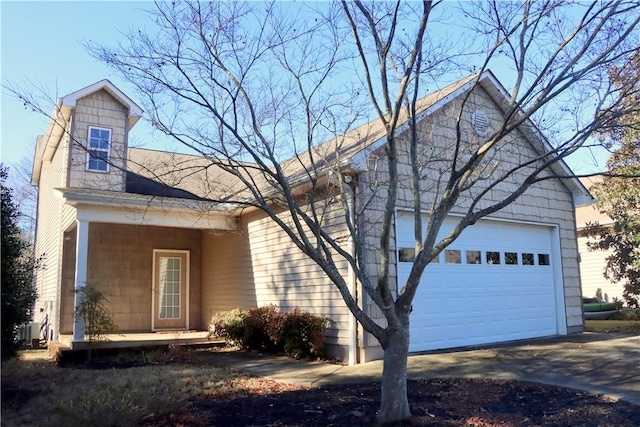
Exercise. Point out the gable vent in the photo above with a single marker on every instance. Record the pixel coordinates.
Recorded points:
(480, 122)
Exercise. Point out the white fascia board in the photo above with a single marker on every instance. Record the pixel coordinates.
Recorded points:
(47, 144)
(150, 211)
(359, 160)
(135, 112)
(606, 223)
(155, 217)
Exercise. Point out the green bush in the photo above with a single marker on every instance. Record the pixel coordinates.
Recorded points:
(229, 325)
(302, 334)
(261, 328)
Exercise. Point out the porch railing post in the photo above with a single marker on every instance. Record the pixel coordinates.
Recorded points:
(82, 244)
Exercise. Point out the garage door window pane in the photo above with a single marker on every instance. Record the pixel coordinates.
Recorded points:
(543, 259)
(473, 257)
(527, 259)
(511, 258)
(493, 257)
(406, 254)
(452, 256)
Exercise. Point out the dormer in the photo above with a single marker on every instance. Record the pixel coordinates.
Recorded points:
(88, 132)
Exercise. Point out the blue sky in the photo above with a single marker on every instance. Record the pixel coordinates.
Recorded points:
(41, 43)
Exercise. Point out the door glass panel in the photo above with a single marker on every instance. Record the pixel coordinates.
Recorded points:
(169, 283)
(511, 258)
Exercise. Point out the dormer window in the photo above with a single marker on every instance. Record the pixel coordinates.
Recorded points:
(98, 149)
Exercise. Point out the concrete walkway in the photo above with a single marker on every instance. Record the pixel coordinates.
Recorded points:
(597, 363)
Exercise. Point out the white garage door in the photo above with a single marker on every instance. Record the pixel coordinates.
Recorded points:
(494, 283)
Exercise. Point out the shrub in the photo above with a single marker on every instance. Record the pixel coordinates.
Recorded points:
(298, 333)
(94, 311)
(261, 328)
(229, 325)
(627, 314)
(302, 334)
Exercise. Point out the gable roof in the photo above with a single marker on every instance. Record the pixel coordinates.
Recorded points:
(47, 144)
(157, 172)
(488, 81)
(352, 148)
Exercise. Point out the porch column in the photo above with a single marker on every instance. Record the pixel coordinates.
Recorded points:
(82, 244)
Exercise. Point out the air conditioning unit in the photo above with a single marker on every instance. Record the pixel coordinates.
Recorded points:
(29, 331)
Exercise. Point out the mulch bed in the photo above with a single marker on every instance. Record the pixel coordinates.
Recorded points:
(435, 402)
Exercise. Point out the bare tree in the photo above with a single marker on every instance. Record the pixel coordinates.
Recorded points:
(255, 88)
(25, 194)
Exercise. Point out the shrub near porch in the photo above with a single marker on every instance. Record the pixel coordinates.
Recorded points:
(297, 333)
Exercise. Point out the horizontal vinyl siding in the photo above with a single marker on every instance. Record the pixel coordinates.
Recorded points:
(227, 280)
(285, 276)
(49, 237)
(592, 265)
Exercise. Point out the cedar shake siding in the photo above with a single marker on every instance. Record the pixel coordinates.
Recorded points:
(592, 264)
(103, 111)
(239, 257)
(120, 264)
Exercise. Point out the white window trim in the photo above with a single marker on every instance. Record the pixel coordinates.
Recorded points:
(89, 149)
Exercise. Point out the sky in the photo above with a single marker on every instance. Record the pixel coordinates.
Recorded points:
(41, 45)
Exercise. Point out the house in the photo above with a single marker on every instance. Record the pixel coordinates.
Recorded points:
(592, 263)
(121, 217)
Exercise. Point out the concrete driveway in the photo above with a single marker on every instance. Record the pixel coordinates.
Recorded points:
(598, 363)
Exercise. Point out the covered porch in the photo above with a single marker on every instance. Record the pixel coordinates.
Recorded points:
(148, 263)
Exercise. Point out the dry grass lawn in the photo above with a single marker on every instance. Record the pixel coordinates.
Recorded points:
(36, 392)
(630, 327)
(189, 388)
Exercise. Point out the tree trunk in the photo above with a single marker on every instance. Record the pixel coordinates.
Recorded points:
(394, 405)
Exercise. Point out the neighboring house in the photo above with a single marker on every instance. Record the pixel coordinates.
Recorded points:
(592, 263)
(512, 276)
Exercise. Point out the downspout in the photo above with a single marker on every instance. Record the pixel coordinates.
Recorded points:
(351, 275)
